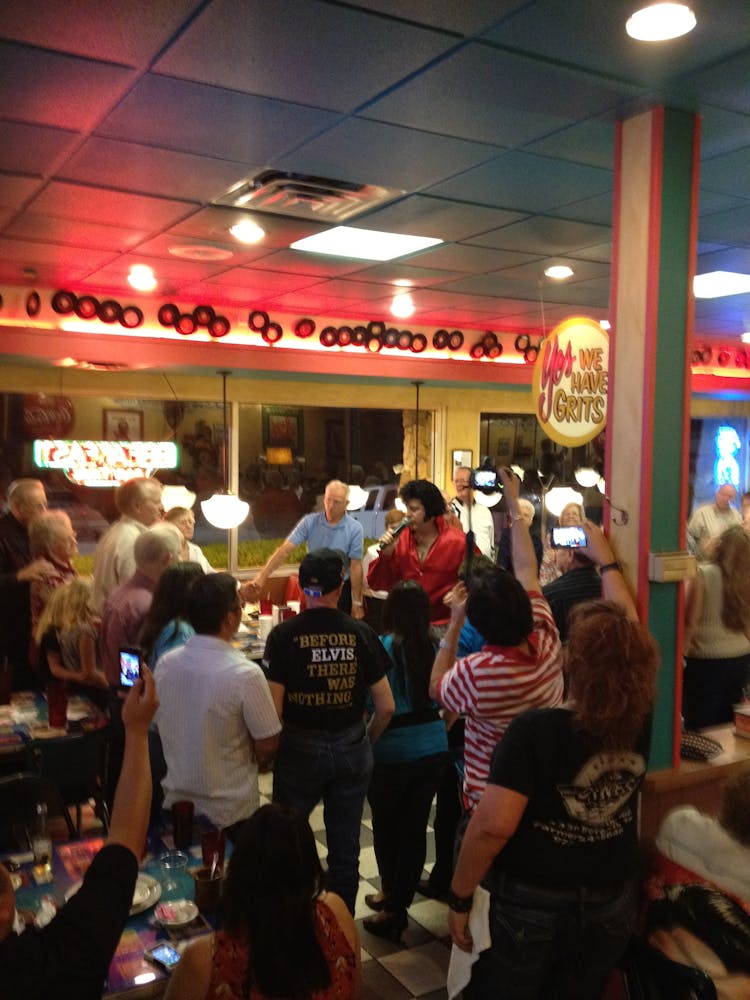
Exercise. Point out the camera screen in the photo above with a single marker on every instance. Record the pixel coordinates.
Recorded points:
(485, 479)
(573, 537)
(130, 667)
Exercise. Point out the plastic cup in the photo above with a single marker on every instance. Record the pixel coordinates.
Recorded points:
(57, 704)
(182, 824)
(266, 606)
(173, 865)
(207, 889)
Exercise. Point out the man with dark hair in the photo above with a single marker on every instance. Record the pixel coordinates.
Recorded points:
(579, 581)
(216, 719)
(519, 666)
(429, 551)
(321, 666)
(26, 500)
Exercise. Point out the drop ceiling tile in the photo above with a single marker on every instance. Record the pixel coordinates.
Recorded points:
(49, 253)
(31, 226)
(584, 271)
(160, 247)
(543, 235)
(487, 284)
(596, 210)
(462, 257)
(388, 155)
(91, 204)
(392, 272)
(266, 281)
(421, 215)
(132, 167)
(711, 202)
(526, 183)
(345, 289)
(591, 142)
(297, 262)
(293, 50)
(728, 174)
(465, 19)
(15, 190)
(48, 275)
(212, 121)
(32, 149)
(487, 95)
(733, 259)
(49, 89)
(727, 227)
(127, 33)
(310, 301)
(724, 84)
(723, 131)
(601, 251)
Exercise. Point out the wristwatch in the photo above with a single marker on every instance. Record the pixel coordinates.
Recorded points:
(608, 566)
(459, 904)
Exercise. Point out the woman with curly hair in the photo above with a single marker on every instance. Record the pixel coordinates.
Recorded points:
(717, 625)
(280, 934)
(554, 839)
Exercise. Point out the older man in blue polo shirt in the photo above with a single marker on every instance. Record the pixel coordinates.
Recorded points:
(331, 528)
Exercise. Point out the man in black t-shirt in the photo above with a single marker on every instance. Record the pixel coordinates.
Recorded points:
(321, 665)
(580, 581)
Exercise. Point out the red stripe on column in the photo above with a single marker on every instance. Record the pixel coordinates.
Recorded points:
(613, 286)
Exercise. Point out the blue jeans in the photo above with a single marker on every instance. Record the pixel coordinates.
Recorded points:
(543, 947)
(313, 764)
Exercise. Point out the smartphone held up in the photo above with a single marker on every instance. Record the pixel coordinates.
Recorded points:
(571, 537)
(130, 667)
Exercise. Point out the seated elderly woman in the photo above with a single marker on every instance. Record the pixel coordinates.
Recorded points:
(279, 934)
(51, 537)
(554, 838)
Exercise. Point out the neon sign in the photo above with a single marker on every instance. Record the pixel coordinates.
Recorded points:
(726, 466)
(105, 463)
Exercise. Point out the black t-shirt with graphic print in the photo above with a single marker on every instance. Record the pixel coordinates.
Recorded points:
(580, 824)
(326, 661)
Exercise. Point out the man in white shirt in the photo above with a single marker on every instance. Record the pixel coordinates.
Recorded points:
(710, 520)
(217, 720)
(139, 503)
(464, 507)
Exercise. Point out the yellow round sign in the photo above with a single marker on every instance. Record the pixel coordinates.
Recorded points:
(571, 378)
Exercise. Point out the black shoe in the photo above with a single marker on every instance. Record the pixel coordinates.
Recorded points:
(428, 890)
(375, 900)
(386, 925)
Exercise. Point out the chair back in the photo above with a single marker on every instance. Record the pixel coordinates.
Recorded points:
(76, 764)
(20, 794)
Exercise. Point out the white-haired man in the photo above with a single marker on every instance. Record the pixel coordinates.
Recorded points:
(331, 528)
(466, 509)
(139, 504)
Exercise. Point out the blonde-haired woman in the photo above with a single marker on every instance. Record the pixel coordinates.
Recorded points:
(572, 513)
(68, 637)
(717, 625)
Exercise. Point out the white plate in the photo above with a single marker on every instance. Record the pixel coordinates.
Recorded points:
(176, 912)
(147, 892)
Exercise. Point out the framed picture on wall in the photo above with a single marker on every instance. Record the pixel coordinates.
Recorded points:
(463, 457)
(283, 427)
(123, 425)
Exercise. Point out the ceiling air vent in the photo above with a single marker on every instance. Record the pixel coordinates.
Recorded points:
(304, 197)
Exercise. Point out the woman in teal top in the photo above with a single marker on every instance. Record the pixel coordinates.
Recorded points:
(409, 759)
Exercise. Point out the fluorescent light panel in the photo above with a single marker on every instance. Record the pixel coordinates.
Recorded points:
(363, 244)
(717, 284)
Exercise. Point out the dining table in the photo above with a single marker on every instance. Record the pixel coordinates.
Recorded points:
(25, 720)
(131, 975)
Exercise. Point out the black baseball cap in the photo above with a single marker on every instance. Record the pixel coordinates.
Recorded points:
(321, 571)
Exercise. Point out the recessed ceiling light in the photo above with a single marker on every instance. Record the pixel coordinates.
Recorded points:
(402, 305)
(363, 244)
(141, 277)
(559, 272)
(745, 338)
(605, 324)
(717, 284)
(660, 22)
(247, 232)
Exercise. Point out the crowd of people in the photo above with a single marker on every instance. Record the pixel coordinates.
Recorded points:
(525, 707)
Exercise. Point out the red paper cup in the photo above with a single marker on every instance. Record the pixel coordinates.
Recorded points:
(182, 824)
(57, 704)
(266, 606)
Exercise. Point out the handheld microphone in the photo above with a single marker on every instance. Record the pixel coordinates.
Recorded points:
(395, 532)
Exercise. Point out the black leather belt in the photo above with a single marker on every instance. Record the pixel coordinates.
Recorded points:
(563, 894)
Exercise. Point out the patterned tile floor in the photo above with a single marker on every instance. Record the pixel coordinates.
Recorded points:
(418, 967)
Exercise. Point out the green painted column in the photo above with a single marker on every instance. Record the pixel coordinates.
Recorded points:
(654, 252)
